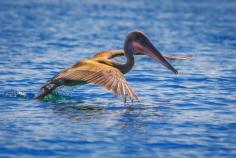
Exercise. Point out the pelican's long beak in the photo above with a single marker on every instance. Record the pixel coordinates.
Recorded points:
(148, 49)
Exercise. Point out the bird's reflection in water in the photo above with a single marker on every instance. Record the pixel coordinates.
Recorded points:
(136, 117)
(106, 112)
(77, 111)
(107, 115)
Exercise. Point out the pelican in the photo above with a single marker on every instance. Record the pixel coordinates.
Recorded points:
(101, 70)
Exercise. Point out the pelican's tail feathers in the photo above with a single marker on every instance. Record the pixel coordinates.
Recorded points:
(46, 89)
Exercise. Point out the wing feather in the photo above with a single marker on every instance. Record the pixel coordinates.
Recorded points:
(109, 83)
(114, 87)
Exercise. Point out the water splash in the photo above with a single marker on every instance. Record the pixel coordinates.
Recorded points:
(61, 95)
(17, 94)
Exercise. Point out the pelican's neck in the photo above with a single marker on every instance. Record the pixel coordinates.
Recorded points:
(129, 54)
(129, 64)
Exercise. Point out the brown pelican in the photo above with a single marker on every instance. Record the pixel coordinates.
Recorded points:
(100, 69)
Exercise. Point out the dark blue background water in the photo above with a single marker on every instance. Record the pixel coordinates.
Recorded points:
(189, 115)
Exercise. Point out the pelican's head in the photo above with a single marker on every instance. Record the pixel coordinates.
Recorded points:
(137, 41)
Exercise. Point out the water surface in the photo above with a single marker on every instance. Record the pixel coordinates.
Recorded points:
(188, 115)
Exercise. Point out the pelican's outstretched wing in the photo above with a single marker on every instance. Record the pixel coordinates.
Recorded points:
(109, 54)
(93, 72)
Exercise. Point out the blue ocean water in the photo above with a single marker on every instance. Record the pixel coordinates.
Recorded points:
(189, 115)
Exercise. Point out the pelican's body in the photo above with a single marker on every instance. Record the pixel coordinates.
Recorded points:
(100, 69)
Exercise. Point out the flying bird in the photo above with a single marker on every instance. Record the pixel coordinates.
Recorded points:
(101, 70)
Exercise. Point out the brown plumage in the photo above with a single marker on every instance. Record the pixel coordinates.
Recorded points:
(101, 70)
